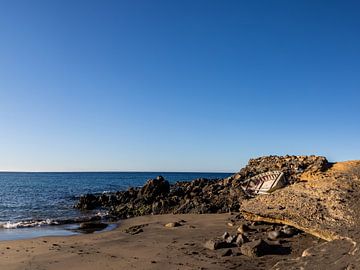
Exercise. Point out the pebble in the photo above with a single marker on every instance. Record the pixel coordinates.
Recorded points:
(214, 244)
(228, 252)
(225, 235)
(230, 239)
(255, 248)
(273, 235)
(172, 224)
(288, 231)
(242, 228)
(241, 239)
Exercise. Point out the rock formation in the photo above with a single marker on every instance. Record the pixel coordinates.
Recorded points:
(199, 196)
(322, 203)
(321, 198)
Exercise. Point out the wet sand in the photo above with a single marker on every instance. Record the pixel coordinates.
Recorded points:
(143, 243)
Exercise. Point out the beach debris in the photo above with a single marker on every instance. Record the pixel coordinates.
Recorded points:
(291, 166)
(255, 248)
(264, 183)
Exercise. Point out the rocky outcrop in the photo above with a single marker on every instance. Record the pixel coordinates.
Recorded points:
(158, 197)
(324, 204)
(199, 196)
(321, 199)
(292, 166)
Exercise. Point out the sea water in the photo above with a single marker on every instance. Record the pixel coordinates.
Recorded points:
(30, 202)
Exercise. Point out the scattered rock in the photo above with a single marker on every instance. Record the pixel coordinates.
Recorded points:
(225, 235)
(288, 231)
(215, 244)
(230, 239)
(255, 248)
(227, 252)
(241, 239)
(273, 235)
(135, 229)
(243, 228)
(90, 227)
(172, 224)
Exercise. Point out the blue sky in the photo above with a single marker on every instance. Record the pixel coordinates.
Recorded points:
(176, 85)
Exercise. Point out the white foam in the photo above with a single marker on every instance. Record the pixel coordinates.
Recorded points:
(27, 224)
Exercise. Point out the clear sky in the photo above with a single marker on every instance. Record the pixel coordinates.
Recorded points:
(194, 85)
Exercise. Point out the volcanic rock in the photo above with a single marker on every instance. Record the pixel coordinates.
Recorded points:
(241, 239)
(255, 248)
(172, 224)
(322, 203)
(273, 235)
(215, 244)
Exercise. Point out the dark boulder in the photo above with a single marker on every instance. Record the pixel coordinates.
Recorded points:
(88, 202)
(217, 243)
(255, 248)
(155, 188)
(90, 227)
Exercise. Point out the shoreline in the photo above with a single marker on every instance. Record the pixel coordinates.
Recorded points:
(28, 233)
(175, 227)
(152, 246)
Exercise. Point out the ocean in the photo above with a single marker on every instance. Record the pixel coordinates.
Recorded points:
(30, 202)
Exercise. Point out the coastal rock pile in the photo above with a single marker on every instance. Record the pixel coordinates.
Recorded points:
(254, 239)
(199, 196)
(158, 197)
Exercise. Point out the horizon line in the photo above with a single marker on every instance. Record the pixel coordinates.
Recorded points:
(114, 171)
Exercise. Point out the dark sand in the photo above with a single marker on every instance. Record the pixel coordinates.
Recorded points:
(154, 246)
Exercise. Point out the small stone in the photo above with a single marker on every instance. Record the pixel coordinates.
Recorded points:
(228, 252)
(172, 224)
(242, 228)
(273, 235)
(241, 239)
(255, 248)
(215, 244)
(230, 239)
(230, 224)
(288, 231)
(225, 235)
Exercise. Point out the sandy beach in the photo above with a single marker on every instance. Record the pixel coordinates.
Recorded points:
(153, 246)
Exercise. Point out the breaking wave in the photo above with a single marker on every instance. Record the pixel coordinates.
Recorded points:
(27, 224)
(47, 222)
